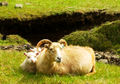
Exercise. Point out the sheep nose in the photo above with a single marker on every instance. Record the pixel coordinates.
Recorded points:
(58, 59)
(33, 61)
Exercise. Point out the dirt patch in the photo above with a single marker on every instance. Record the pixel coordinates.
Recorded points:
(55, 26)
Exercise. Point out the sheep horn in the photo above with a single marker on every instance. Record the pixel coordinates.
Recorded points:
(62, 41)
(44, 41)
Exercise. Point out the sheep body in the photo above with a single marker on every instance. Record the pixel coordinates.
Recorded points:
(28, 67)
(75, 60)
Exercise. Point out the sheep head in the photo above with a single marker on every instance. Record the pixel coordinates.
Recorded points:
(53, 49)
(31, 56)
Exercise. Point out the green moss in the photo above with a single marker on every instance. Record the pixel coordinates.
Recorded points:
(111, 31)
(13, 40)
(104, 37)
(16, 39)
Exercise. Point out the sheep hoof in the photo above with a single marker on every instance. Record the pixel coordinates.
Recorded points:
(91, 73)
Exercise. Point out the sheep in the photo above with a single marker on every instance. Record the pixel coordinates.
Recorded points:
(55, 59)
(29, 63)
(18, 6)
(3, 3)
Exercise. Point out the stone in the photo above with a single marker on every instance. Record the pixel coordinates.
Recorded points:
(18, 6)
(3, 3)
(28, 3)
(2, 47)
(103, 61)
(10, 47)
(19, 48)
(27, 46)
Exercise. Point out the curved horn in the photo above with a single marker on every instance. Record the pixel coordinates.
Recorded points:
(62, 41)
(44, 41)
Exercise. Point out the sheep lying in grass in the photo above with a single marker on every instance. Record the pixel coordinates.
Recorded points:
(29, 64)
(68, 60)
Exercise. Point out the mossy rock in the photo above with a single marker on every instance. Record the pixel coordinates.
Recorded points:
(16, 39)
(102, 38)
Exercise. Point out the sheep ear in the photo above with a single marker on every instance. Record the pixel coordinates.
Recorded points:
(63, 42)
(46, 45)
(25, 54)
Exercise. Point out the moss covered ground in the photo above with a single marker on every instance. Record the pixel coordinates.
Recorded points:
(102, 38)
(13, 40)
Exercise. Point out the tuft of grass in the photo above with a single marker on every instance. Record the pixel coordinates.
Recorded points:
(33, 8)
(13, 40)
(10, 73)
(104, 37)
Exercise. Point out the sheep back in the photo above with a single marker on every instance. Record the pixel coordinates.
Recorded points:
(77, 59)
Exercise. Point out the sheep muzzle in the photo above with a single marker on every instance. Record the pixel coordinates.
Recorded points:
(58, 59)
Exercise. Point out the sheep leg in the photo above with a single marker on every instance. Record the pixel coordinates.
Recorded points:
(92, 72)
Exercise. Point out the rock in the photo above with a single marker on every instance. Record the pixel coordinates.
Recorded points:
(115, 57)
(3, 3)
(98, 56)
(19, 48)
(27, 46)
(27, 3)
(18, 6)
(103, 61)
(7, 47)
(2, 47)
(106, 56)
(10, 47)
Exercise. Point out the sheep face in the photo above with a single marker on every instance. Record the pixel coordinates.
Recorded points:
(54, 51)
(31, 57)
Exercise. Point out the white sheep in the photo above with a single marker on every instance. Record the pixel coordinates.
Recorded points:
(18, 6)
(29, 63)
(68, 60)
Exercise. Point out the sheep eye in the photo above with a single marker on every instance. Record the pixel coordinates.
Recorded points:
(51, 49)
(28, 57)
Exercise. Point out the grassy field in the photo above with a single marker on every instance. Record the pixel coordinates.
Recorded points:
(10, 73)
(33, 8)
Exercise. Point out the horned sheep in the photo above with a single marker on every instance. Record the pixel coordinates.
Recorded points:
(68, 60)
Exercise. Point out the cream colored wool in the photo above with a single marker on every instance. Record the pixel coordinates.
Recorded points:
(74, 60)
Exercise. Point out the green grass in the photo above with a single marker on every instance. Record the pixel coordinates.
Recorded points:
(10, 73)
(41, 7)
